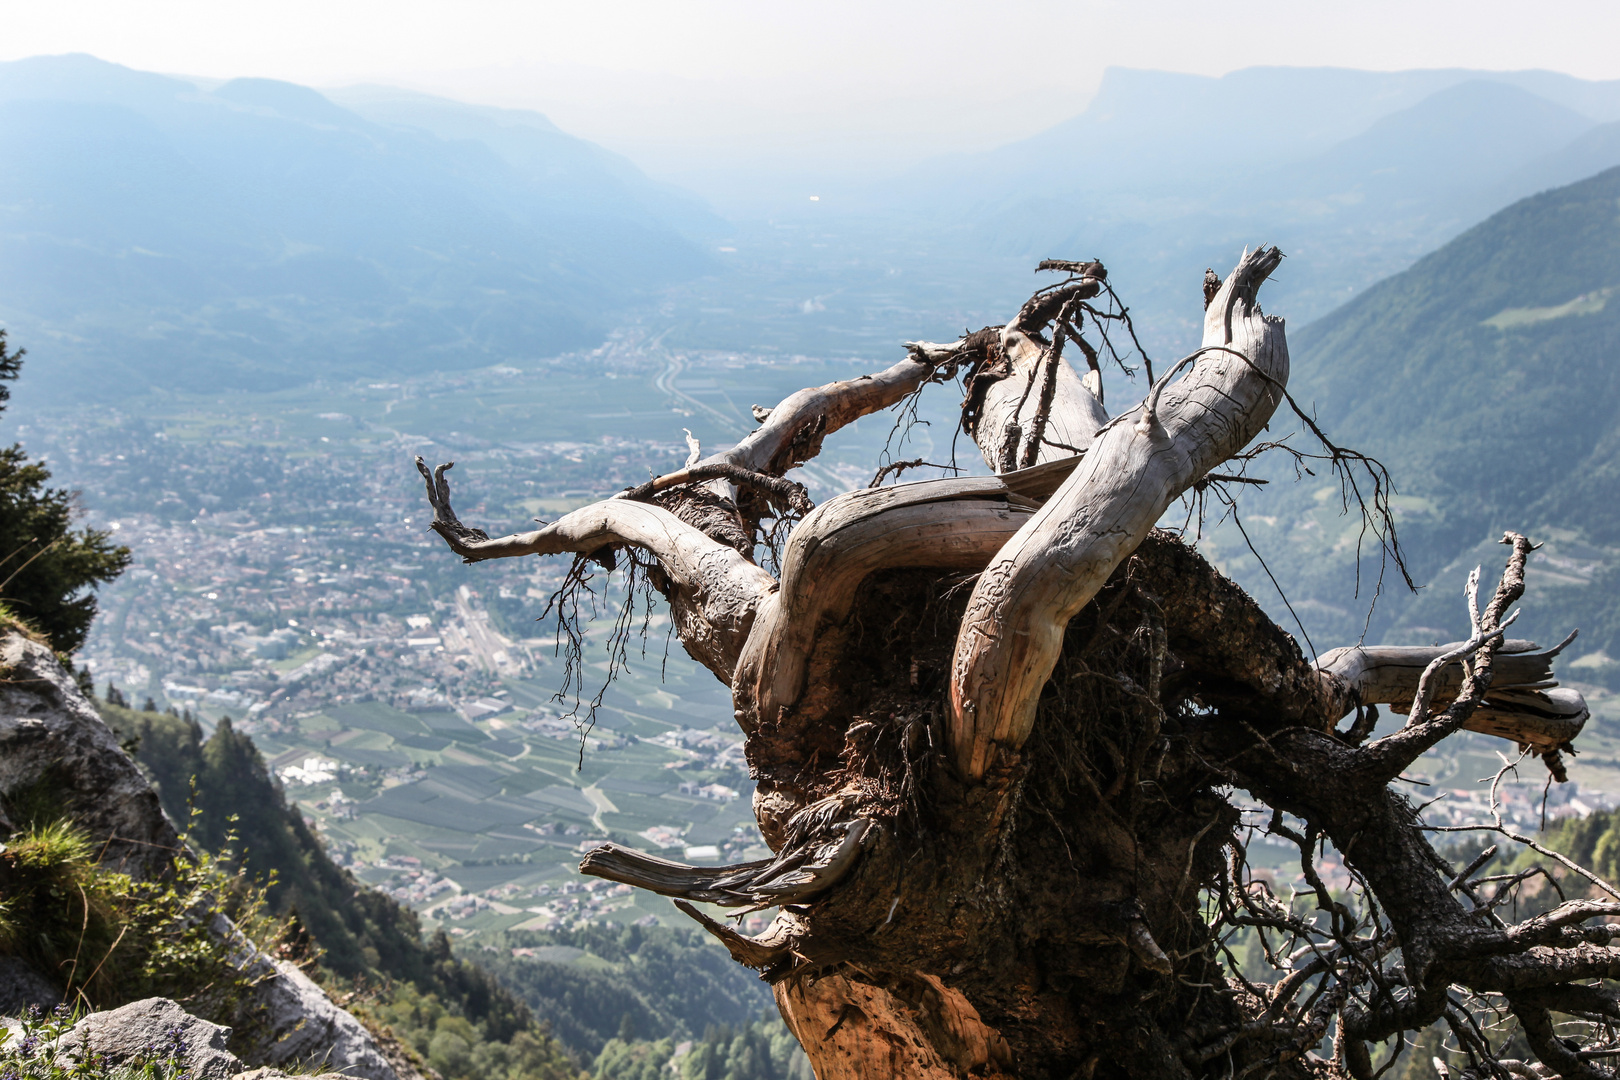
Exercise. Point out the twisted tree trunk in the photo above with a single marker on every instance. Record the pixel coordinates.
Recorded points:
(992, 722)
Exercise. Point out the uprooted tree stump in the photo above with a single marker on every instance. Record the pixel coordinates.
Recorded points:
(994, 722)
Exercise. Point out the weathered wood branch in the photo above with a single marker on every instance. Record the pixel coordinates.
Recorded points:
(951, 524)
(708, 884)
(1424, 729)
(1550, 928)
(788, 434)
(1012, 632)
(761, 951)
(1525, 703)
(822, 845)
(1009, 412)
(793, 430)
(1388, 674)
(717, 587)
(790, 493)
(1035, 439)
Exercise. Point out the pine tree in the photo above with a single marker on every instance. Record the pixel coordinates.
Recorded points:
(47, 568)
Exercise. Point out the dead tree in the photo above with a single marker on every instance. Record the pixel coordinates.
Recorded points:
(995, 723)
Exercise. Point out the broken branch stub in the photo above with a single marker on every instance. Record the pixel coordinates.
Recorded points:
(1524, 704)
(1012, 632)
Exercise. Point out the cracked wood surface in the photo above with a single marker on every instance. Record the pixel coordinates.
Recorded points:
(952, 524)
(1525, 703)
(1012, 632)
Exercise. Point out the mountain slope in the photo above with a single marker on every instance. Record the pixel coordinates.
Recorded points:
(533, 146)
(1487, 377)
(672, 983)
(220, 785)
(1444, 146)
(1149, 134)
(1488, 369)
(155, 234)
(1176, 142)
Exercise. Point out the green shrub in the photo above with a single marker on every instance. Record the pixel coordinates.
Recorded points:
(460, 1049)
(48, 569)
(108, 939)
(627, 1059)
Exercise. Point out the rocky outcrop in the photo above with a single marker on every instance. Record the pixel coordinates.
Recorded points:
(155, 1027)
(151, 1030)
(22, 986)
(307, 1028)
(294, 1023)
(53, 745)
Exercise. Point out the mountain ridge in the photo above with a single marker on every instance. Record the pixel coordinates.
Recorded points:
(258, 233)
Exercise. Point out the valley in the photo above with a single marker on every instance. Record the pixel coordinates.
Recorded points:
(410, 705)
(250, 306)
(284, 578)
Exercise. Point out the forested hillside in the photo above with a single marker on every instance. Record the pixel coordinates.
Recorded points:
(220, 786)
(485, 1010)
(1487, 379)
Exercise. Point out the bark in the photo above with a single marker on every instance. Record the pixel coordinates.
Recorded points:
(994, 722)
(915, 1027)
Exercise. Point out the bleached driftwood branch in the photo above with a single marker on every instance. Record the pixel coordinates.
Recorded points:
(1012, 633)
(1524, 704)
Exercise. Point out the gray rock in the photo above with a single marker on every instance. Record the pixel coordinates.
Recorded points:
(292, 1022)
(263, 1072)
(144, 1029)
(307, 1029)
(22, 986)
(47, 724)
(49, 731)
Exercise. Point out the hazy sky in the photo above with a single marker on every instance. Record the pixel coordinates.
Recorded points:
(886, 80)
